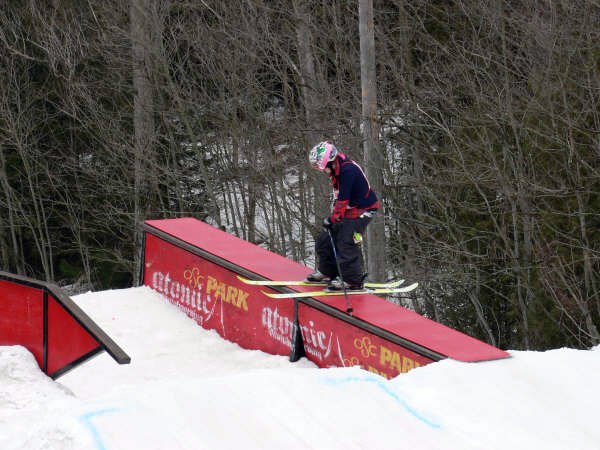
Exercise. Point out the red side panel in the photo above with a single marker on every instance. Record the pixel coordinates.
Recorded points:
(331, 342)
(215, 298)
(67, 340)
(371, 309)
(22, 318)
(50, 325)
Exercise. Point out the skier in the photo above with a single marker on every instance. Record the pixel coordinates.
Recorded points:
(355, 205)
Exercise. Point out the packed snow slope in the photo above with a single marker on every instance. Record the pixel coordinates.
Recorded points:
(186, 388)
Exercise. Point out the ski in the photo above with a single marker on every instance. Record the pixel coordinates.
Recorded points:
(391, 284)
(396, 290)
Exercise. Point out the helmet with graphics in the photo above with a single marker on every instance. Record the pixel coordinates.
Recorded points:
(321, 154)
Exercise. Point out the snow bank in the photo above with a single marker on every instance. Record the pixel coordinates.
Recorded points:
(186, 388)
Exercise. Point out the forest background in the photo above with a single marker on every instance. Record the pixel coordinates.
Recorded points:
(487, 143)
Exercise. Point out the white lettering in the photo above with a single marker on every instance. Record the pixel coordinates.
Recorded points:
(188, 299)
(166, 285)
(314, 341)
(282, 328)
(157, 281)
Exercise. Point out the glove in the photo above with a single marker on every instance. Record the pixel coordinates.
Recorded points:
(327, 223)
(339, 208)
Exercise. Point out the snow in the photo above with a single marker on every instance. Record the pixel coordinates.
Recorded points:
(186, 388)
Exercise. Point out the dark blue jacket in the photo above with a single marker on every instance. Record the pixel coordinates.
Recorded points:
(354, 192)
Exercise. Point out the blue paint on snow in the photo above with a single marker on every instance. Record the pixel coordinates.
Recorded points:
(86, 419)
(384, 386)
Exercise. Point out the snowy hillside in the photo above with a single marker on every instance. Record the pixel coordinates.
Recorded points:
(186, 388)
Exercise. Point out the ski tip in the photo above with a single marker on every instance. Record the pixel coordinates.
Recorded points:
(253, 282)
(274, 295)
(409, 288)
(392, 284)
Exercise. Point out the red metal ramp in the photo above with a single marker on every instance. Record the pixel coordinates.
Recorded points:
(195, 266)
(41, 318)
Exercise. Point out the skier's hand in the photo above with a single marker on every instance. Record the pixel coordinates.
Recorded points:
(327, 223)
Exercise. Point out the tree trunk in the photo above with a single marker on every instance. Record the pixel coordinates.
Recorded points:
(17, 263)
(373, 156)
(309, 89)
(143, 122)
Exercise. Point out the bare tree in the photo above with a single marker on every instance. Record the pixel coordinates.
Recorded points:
(483, 116)
(143, 27)
(373, 156)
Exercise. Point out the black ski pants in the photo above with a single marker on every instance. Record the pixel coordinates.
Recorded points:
(349, 252)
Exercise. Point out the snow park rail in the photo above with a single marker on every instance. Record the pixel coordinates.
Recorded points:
(196, 267)
(42, 318)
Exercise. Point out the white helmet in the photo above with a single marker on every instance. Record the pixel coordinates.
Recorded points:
(321, 154)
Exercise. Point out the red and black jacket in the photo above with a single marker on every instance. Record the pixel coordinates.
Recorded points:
(354, 195)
